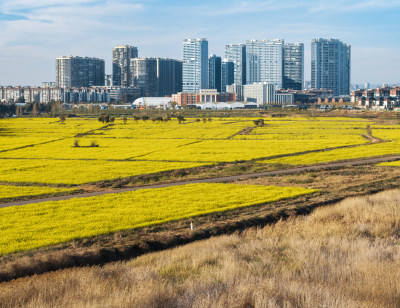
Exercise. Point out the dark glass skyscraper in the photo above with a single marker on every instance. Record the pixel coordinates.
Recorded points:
(156, 76)
(214, 73)
(293, 66)
(169, 74)
(227, 74)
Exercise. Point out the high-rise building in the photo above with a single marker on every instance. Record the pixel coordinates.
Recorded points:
(122, 56)
(79, 72)
(330, 66)
(293, 66)
(264, 62)
(144, 75)
(236, 53)
(156, 76)
(169, 74)
(214, 73)
(195, 65)
(227, 74)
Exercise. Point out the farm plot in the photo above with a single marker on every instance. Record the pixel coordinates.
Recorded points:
(236, 150)
(86, 150)
(388, 133)
(216, 129)
(75, 172)
(42, 224)
(7, 191)
(99, 148)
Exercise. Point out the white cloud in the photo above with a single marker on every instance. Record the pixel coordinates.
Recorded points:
(253, 6)
(52, 23)
(344, 6)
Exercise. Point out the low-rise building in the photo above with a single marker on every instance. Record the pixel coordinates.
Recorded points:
(384, 98)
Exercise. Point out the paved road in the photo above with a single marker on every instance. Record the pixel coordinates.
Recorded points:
(215, 180)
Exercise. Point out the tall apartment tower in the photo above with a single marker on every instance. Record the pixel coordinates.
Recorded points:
(156, 76)
(79, 72)
(236, 53)
(214, 73)
(195, 65)
(122, 56)
(330, 66)
(293, 66)
(264, 62)
(227, 74)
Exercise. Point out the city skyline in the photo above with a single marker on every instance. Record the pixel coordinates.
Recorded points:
(34, 34)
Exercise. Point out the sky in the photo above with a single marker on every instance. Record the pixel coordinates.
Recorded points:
(35, 32)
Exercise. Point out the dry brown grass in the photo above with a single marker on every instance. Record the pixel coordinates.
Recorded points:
(346, 255)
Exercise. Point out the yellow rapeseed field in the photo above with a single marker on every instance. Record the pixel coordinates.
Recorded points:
(74, 172)
(36, 225)
(7, 191)
(80, 151)
(388, 133)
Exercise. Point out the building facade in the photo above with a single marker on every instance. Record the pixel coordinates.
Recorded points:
(330, 66)
(237, 90)
(227, 74)
(264, 62)
(79, 72)
(260, 93)
(236, 53)
(121, 57)
(169, 75)
(55, 94)
(214, 73)
(195, 65)
(384, 98)
(293, 66)
(144, 75)
(156, 77)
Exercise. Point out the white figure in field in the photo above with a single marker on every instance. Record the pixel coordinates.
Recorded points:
(191, 225)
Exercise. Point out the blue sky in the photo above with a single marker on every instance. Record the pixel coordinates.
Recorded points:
(34, 33)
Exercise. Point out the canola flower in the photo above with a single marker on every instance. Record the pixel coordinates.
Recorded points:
(75, 172)
(144, 147)
(48, 223)
(7, 191)
(387, 133)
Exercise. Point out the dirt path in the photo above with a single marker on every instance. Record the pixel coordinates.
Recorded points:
(215, 180)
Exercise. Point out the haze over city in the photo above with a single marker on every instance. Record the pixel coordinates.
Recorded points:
(35, 33)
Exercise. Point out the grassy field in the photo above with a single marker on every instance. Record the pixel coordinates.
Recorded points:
(37, 225)
(346, 255)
